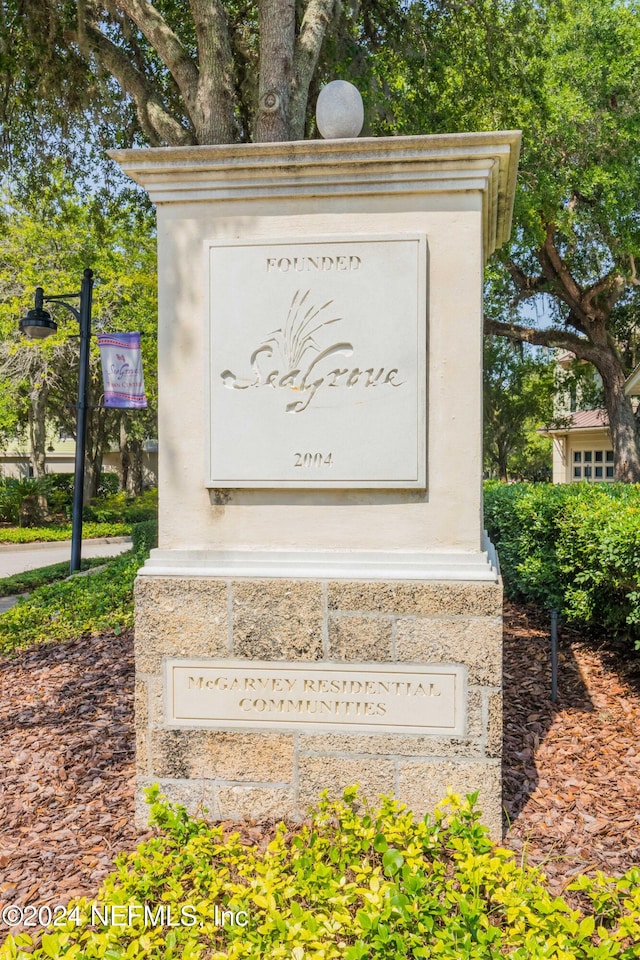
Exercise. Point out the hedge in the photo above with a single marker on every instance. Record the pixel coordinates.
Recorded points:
(572, 547)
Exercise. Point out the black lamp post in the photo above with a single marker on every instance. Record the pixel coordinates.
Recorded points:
(39, 324)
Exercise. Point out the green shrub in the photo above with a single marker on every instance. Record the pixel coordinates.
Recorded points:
(109, 509)
(144, 536)
(30, 579)
(68, 608)
(20, 500)
(599, 553)
(62, 532)
(572, 547)
(118, 507)
(108, 484)
(352, 885)
(144, 507)
(59, 492)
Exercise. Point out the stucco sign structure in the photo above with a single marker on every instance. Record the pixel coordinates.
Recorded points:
(323, 608)
(317, 352)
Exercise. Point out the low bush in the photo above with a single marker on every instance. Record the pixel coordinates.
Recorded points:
(370, 885)
(118, 507)
(69, 608)
(572, 547)
(90, 531)
(31, 579)
(28, 501)
(144, 536)
(108, 484)
(20, 501)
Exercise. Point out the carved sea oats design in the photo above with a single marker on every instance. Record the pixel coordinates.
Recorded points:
(295, 338)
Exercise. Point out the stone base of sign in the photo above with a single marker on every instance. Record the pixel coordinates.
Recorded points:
(237, 774)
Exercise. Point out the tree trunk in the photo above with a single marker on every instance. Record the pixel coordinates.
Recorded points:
(622, 422)
(136, 471)
(125, 456)
(277, 22)
(37, 429)
(131, 461)
(96, 440)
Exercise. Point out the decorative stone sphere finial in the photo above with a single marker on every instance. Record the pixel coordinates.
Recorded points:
(339, 110)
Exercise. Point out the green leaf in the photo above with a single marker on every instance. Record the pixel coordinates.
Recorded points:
(392, 861)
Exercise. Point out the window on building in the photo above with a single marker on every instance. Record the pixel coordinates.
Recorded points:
(593, 465)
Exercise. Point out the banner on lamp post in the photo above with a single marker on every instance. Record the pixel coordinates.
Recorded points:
(122, 370)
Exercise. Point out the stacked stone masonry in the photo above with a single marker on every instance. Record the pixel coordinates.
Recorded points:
(237, 774)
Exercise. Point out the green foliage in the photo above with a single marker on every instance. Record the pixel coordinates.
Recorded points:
(108, 484)
(119, 507)
(90, 531)
(58, 489)
(518, 397)
(47, 240)
(22, 501)
(30, 579)
(352, 884)
(567, 74)
(68, 608)
(19, 501)
(144, 535)
(573, 547)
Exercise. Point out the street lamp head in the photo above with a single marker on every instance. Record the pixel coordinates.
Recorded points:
(38, 323)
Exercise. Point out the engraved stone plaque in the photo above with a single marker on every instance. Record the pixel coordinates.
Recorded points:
(352, 697)
(317, 363)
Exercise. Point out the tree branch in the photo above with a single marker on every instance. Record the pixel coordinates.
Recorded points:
(608, 291)
(167, 45)
(558, 274)
(159, 125)
(527, 286)
(317, 17)
(550, 337)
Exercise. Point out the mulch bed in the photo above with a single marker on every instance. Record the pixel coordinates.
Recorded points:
(571, 769)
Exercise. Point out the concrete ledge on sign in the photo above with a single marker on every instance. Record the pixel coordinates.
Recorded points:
(353, 565)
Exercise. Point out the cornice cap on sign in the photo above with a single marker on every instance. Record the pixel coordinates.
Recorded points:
(486, 163)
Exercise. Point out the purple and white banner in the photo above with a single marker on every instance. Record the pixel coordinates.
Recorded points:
(122, 370)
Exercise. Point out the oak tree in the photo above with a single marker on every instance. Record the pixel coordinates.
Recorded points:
(195, 71)
(567, 73)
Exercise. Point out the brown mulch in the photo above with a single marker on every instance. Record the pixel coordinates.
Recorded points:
(571, 769)
(66, 767)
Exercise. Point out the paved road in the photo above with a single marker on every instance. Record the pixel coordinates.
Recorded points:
(16, 558)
